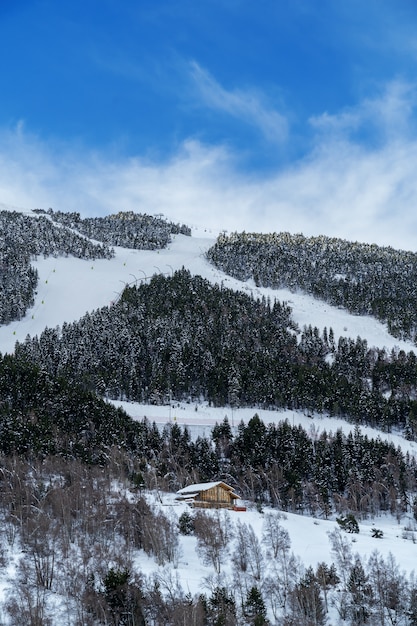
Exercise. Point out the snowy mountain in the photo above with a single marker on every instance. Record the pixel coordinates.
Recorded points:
(68, 288)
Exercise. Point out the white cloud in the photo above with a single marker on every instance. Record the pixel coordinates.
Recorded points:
(388, 115)
(245, 105)
(341, 189)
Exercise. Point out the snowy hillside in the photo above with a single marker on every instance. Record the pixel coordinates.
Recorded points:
(70, 287)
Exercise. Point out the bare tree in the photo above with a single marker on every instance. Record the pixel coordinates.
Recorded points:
(247, 559)
(342, 551)
(390, 590)
(240, 557)
(285, 566)
(27, 604)
(256, 557)
(281, 581)
(274, 536)
(161, 537)
(40, 540)
(214, 532)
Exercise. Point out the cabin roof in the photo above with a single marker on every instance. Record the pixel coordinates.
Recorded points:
(194, 490)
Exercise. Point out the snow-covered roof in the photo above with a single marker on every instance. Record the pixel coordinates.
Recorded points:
(194, 490)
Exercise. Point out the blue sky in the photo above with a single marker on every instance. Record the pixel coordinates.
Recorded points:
(294, 115)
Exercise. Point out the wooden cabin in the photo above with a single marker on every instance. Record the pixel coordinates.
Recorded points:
(215, 495)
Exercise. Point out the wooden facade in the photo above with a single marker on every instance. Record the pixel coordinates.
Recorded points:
(216, 495)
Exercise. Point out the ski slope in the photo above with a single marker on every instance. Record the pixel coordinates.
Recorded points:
(70, 287)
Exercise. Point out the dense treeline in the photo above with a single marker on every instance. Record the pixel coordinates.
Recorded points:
(279, 465)
(126, 229)
(180, 337)
(286, 467)
(176, 336)
(366, 279)
(41, 415)
(22, 238)
(73, 474)
(39, 236)
(75, 470)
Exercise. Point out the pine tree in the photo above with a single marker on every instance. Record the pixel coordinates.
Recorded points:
(361, 593)
(222, 608)
(254, 608)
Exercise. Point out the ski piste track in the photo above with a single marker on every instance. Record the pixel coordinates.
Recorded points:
(69, 287)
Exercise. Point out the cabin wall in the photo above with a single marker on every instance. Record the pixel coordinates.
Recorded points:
(214, 498)
(216, 494)
(201, 504)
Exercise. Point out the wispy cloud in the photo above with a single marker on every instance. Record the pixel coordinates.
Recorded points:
(388, 115)
(342, 188)
(247, 105)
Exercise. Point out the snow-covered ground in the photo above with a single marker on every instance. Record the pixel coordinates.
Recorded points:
(70, 287)
(309, 536)
(200, 419)
(309, 541)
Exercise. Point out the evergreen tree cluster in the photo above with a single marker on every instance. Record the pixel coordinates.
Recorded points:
(125, 229)
(42, 415)
(365, 279)
(63, 450)
(22, 238)
(176, 336)
(276, 464)
(181, 337)
(40, 236)
(283, 466)
(286, 467)
(18, 280)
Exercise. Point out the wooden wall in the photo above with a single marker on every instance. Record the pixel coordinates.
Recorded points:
(216, 497)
